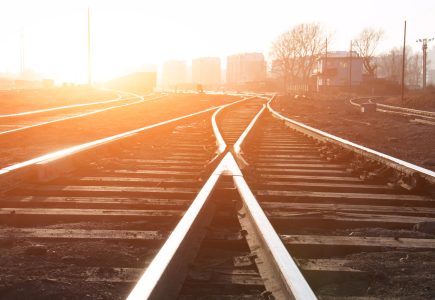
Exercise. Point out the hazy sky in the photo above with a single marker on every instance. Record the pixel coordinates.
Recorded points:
(131, 33)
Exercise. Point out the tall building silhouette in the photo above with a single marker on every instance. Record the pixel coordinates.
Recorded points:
(246, 67)
(174, 73)
(206, 71)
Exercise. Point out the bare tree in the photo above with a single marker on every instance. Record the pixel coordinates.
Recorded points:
(365, 45)
(296, 51)
(390, 66)
(311, 42)
(283, 53)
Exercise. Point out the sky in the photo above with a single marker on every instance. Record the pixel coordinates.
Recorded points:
(130, 34)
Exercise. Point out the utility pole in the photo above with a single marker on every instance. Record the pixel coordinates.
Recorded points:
(417, 75)
(403, 63)
(424, 48)
(89, 50)
(22, 66)
(325, 76)
(350, 66)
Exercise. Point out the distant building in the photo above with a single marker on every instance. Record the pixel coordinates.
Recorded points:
(6, 83)
(206, 71)
(174, 73)
(138, 82)
(246, 67)
(276, 70)
(47, 83)
(341, 67)
(26, 84)
(431, 77)
(431, 58)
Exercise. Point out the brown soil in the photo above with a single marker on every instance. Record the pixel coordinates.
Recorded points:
(416, 100)
(397, 273)
(27, 144)
(393, 135)
(48, 274)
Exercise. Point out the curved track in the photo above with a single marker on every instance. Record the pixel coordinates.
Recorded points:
(35, 119)
(414, 115)
(39, 111)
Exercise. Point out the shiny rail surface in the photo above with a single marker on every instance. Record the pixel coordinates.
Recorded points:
(271, 200)
(81, 115)
(338, 211)
(134, 192)
(145, 185)
(38, 111)
(394, 162)
(284, 280)
(425, 117)
(90, 145)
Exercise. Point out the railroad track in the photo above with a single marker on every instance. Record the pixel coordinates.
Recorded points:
(356, 220)
(44, 110)
(414, 115)
(12, 123)
(132, 193)
(233, 203)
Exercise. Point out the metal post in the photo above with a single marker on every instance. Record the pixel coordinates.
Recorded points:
(326, 63)
(22, 67)
(417, 75)
(350, 67)
(424, 48)
(403, 63)
(89, 50)
(424, 63)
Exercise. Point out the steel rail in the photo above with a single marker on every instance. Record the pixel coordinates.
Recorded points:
(170, 263)
(238, 143)
(219, 139)
(162, 278)
(395, 109)
(408, 110)
(354, 103)
(142, 100)
(284, 279)
(68, 152)
(398, 164)
(405, 114)
(275, 264)
(26, 113)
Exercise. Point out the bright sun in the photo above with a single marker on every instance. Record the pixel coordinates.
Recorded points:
(128, 34)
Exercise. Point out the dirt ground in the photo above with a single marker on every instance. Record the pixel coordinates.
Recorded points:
(16, 101)
(415, 99)
(48, 274)
(393, 135)
(27, 144)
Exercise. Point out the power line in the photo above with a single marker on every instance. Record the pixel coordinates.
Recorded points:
(22, 61)
(89, 50)
(403, 63)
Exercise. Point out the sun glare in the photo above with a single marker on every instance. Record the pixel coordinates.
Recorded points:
(126, 37)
